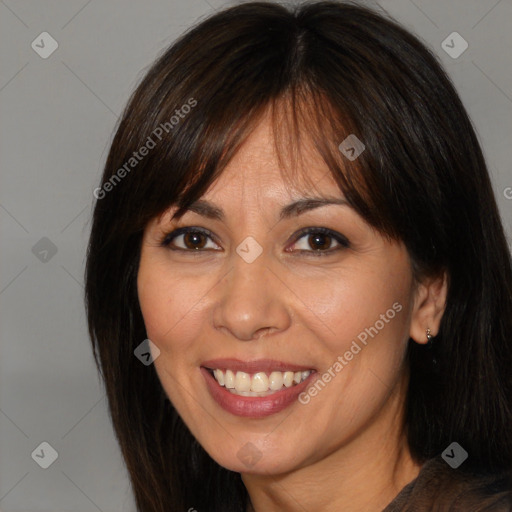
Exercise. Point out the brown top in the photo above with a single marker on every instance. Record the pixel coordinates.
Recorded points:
(439, 488)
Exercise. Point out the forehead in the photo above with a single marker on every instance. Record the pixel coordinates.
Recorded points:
(259, 168)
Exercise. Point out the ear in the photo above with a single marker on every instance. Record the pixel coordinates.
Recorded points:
(428, 308)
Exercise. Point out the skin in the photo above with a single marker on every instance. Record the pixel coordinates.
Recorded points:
(346, 449)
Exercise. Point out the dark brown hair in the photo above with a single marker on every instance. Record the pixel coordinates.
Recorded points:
(326, 70)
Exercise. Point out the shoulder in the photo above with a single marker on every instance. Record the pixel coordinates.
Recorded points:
(441, 488)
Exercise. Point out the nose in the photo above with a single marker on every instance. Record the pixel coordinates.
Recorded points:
(251, 300)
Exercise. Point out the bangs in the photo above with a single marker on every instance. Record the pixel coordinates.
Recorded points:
(306, 126)
(266, 65)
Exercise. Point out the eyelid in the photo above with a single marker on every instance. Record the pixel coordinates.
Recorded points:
(169, 237)
(343, 242)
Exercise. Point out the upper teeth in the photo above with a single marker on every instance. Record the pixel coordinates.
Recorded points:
(258, 384)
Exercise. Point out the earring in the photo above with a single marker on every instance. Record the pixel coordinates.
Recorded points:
(429, 337)
(430, 346)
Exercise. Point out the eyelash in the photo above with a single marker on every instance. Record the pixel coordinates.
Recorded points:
(342, 241)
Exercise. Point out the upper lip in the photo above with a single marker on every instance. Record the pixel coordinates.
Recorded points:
(256, 365)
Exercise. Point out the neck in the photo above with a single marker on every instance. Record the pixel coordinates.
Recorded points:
(364, 474)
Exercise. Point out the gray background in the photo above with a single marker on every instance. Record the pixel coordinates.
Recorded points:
(57, 118)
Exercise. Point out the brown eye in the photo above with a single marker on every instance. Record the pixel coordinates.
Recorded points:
(190, 240)
(319, 241)
(194, 240)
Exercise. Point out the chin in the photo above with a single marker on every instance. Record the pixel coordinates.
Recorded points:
(256, 456)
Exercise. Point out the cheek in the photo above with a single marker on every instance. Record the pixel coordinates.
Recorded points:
(362, 337)
(153, 300)
(362, 341)
(374, 330)
(348, 303)
(159, 307)
(170, 305)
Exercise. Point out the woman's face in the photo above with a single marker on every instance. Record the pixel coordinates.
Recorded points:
(262, 303)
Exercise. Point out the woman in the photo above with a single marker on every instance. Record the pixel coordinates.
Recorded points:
(298, 286)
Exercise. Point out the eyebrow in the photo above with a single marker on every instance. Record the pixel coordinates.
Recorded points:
(211, 211)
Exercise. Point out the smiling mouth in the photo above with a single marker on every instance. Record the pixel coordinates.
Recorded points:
(258, 384)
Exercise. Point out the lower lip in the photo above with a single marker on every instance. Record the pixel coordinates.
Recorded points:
(253, 406)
